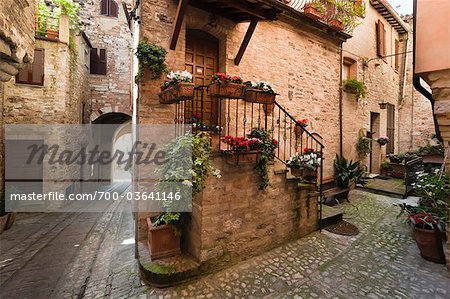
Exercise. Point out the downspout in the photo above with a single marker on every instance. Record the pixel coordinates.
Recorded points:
(340, 102)
(416, 78)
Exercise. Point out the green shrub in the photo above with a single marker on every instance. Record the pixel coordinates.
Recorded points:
(355, 86)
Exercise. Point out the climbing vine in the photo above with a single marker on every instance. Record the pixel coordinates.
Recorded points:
(151, 57)
(267, 153)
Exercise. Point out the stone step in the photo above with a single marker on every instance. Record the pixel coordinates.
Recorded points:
(330, 216)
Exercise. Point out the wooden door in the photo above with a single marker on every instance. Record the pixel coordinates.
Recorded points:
(390, 147)
(202, 62)
(375, 154)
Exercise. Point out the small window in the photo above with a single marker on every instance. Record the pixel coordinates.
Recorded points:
(98, 61)
(349, 69)
(33, 73)
(397, 52)
(109, 8)
(381, 39)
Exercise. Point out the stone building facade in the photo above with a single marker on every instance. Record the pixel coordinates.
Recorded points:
(109, 31)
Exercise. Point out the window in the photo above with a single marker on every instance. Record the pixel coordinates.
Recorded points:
(349, 69)
(381, 39)
(98, 61)
(33, 73)
(108, 8)
(397, 58)
(390, 128)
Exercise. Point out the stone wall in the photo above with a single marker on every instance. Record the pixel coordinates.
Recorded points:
(16, 36)
(110, 92)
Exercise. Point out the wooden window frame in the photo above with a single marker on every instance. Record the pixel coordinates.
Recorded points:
(31, 68)
(390, 128)
(97, 66)
(381, 39)
(109, 8)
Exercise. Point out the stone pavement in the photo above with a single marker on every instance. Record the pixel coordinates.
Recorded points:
(91, 256)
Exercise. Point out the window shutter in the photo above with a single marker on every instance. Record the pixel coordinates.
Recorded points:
(37, 76)
(22, 76)
(98, 61)
(93, 61)
(102, 62)
(390, 128)
(113, 11)
(381, 44)
(104, 7)
(397, 51)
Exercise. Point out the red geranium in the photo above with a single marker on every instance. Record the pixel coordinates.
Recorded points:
(241, 143)
(303, 122)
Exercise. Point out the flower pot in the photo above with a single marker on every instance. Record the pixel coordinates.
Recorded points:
(309, 174)
(298, 131)
(430, 244)
(52, 33)
(268, 108)
(226, 90)
(180, 92)
(259, 96)
(162, 241)
(296, 171)
(241, 158)
(311, 12)
(336, 25)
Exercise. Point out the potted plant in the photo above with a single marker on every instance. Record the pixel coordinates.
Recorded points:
(187, 157)
(356, 87)
(346, 173)
(300, 125)
(152, 58)
(305, 164)
(226, 86)
(398, 163)
(386, 169)
(315, 10)
(179, 87)
(259, 92)
(432, 153)
(383, 140)
(241, 150)
(199, 125)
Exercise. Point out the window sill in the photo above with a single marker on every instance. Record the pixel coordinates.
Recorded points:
(29, 85)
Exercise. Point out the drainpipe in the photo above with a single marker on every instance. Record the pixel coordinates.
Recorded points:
(340, 102)
(416, 78)
(403, 91)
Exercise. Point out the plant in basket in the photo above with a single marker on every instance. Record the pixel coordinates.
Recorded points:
(199, 125)
(242, 150)
(259, 92)
(305, 164)
(383, 140)
(226, 86)
(178, 87)
(300, 126)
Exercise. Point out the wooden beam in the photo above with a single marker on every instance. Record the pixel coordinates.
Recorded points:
(182, 5)
(251, 9)
(248, 35)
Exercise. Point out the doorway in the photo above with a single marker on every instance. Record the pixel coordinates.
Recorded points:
(202, 61)
(375, 153)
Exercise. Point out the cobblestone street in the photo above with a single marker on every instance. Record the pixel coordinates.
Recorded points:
(87, 255)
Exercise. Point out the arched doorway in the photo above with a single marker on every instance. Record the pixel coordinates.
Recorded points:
(202, 61)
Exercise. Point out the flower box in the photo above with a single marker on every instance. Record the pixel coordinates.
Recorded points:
(305, 173)
(226, 90)
(241, 157)
(259, 96)
(336, 25)
(311, 12)
(299, 131)
(398, 170)
(162, 241)
(52, 33)
(179, 92)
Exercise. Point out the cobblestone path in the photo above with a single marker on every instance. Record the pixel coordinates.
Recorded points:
(90, 256)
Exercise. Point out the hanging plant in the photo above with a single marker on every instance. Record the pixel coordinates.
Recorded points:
(151, 57)
(363, 145)
(356, 87)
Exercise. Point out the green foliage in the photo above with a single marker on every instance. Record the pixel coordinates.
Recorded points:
(151, 57)
(345, 172)
(67, 8)
(402, 157)
(187, 156)
(49, 19)
(43, 15)
(355, 86)
(386, 166)
(363, 145)
(348, 13)
(434, 191)
(320, 6)
(267, 153)
(431, 150)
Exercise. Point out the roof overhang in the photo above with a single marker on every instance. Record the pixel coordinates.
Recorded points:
(386, 10)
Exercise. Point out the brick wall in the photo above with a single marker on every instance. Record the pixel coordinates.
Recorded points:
(110, 92)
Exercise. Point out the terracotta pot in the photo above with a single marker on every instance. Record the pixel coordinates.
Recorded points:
(298, 131)
(180, 92)
(258, 96)
(11, 220)
(309, 174)
(296, 171)
(336, 25)
(3, 221)
(226, 90)
(52, 33)
(430, 244)
(241, 158)
(162, 241)
(398, 170)
(311, 12)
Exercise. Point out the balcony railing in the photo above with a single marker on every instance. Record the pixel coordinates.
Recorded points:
(341, 15)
